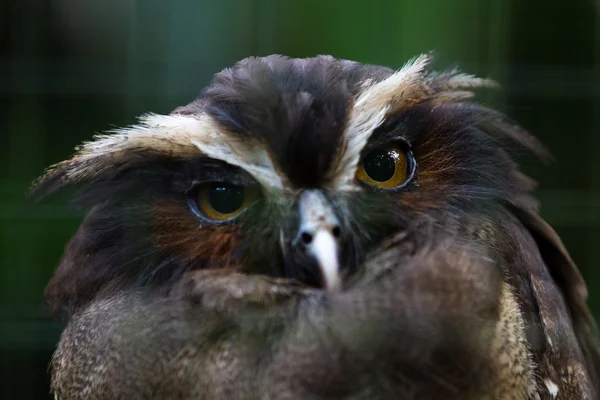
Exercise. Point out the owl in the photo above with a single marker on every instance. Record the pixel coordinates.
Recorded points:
(317, 229)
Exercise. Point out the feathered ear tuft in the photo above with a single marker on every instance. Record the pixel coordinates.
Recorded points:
(453, 86)
(417, 83)
(172, 137)
(52, 179)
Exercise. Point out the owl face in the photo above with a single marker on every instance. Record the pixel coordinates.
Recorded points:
(296, 168)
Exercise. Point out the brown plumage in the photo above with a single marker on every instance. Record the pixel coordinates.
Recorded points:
(320, 229)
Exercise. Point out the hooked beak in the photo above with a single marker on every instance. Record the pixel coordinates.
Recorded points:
(319, 236)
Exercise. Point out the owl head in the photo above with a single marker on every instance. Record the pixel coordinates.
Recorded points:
(296, 168)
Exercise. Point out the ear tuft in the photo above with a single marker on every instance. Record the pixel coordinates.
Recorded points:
(156, 136)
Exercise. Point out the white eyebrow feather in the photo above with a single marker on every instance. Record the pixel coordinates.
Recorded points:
(178, 136)
(412, 84)
(368, 113)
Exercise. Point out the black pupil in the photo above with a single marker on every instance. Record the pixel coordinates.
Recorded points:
(380, 165)
(225, 198)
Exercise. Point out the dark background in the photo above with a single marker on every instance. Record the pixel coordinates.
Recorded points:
(71, 68)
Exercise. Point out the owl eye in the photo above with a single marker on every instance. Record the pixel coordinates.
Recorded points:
(221, 201)
(387, 168)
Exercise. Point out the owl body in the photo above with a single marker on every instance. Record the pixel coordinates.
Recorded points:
(321, 229)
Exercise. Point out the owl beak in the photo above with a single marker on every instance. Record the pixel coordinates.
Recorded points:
(319, 236)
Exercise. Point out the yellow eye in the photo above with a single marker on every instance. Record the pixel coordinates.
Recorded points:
(384, 167)
(221, 201)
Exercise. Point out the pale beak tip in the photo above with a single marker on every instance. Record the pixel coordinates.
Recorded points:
(325, 250)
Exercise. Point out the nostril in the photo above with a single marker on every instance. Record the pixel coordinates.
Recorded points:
(336, 231)
(306, 237)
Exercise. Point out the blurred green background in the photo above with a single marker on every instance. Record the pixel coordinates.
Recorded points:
(70, 68)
